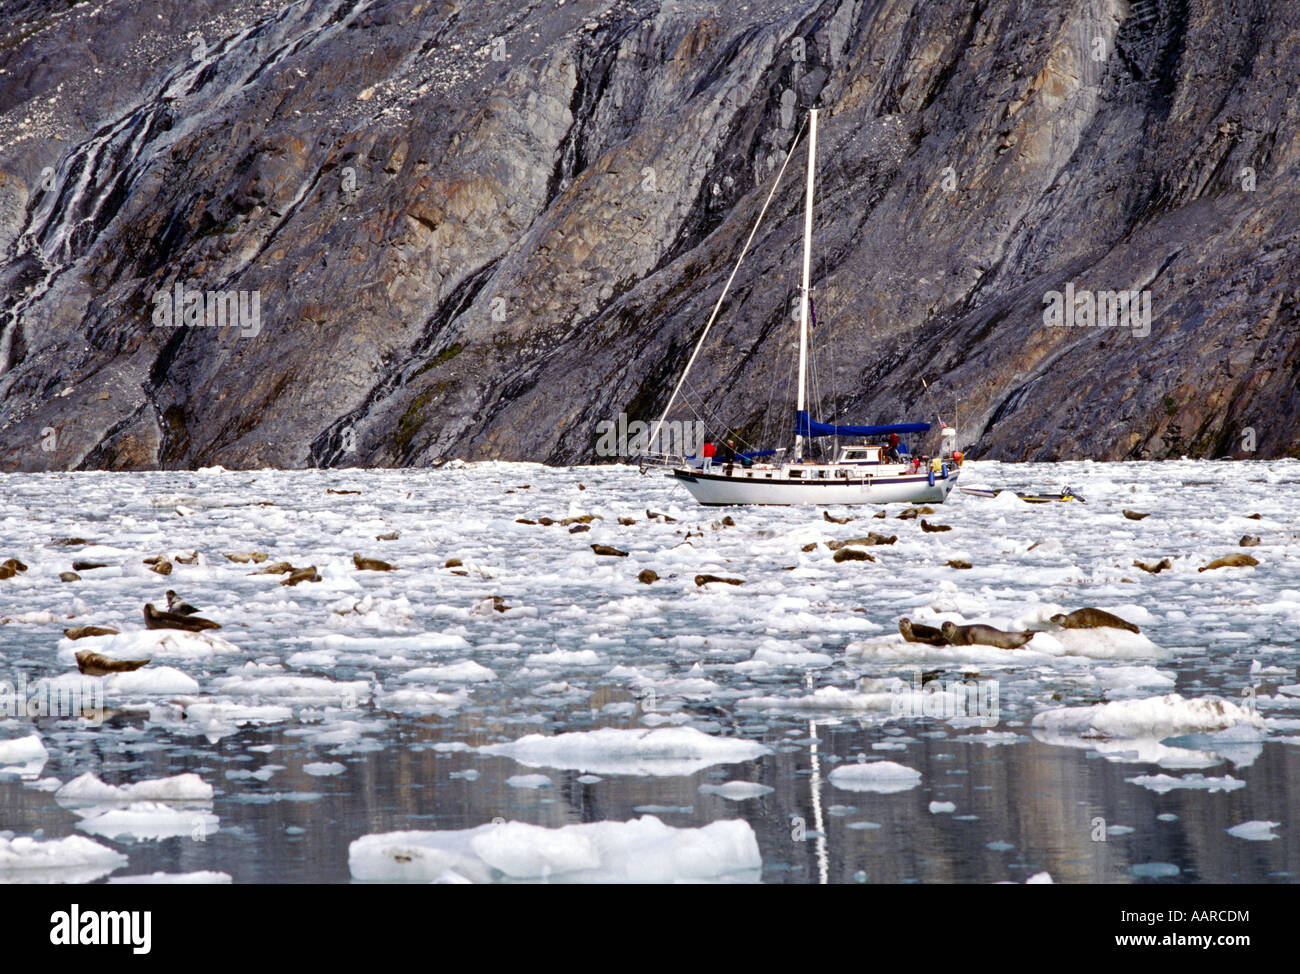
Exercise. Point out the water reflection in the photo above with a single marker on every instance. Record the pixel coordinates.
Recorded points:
(1020, 808)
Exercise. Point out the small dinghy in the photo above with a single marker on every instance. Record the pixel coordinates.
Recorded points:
(1029, 497)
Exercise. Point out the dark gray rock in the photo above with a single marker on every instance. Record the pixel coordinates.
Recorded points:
(478, 229)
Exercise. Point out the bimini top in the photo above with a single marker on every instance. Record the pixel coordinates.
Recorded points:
(806, 427)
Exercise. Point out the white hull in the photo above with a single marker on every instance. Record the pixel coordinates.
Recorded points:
(749, 486)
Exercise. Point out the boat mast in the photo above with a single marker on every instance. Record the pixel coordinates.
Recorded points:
(807, 264)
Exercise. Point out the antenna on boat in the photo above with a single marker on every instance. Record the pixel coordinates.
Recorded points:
(807, 266)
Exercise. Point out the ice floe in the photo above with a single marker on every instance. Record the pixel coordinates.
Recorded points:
(659, 752)
(74, 859)
(883, 777)
(643, 850)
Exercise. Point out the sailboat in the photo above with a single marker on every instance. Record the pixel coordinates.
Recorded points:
(871, 472)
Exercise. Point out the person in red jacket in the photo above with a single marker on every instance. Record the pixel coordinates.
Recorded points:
(893, 447)
(709, 452)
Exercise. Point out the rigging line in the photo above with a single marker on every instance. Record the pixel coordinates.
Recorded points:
(726, 287)
(713, 421)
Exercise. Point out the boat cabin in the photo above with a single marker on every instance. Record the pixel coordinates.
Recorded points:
(862, 454)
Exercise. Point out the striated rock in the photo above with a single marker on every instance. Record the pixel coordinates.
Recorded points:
(463, 255)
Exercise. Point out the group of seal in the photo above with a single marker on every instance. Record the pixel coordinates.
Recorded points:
(951, 634)
(153, 619)
(981, 635)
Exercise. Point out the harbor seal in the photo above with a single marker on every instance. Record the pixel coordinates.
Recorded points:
(177, 605)
(981, 635)
(1231, 561)
(1090, 618)
(371, 564)
(153, 619)
(852, 554)
(94, 664)
(296, 575)
(1154, 568)
(918, 633)
(81, 632)
(706, 579)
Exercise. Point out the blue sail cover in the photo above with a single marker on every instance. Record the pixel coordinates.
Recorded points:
(806, 427)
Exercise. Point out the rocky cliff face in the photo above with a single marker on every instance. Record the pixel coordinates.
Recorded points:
(477, 229)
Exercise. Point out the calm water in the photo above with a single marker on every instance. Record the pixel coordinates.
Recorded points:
(1021, 807)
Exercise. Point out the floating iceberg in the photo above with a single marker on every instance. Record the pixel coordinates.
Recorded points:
(644, 850)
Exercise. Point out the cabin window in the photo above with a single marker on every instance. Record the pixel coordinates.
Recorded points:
(796, 473)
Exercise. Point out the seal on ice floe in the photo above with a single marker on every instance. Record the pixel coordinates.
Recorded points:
(1231, 561)
(371, 564)
(1090, 618)
(915, 632)
(94, 664)
(177, 605)
(981, 635)
(153, 619)
(81, 632)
